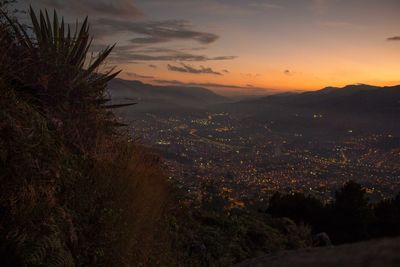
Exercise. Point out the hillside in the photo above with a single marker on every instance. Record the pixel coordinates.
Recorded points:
(153, 97)
(378, 253)
(328, 111)
(351, 98)
(75, 191)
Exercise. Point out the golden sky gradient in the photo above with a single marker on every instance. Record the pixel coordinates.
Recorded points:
(247, 45)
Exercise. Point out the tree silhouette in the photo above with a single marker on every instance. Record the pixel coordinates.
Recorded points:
(349, 218)
(387, 217)
(298, 207)
(213, 198)
(350, 214)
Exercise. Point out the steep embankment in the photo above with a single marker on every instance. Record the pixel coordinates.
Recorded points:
(381, 253)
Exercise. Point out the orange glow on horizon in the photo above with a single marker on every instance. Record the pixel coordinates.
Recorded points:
(314, 79)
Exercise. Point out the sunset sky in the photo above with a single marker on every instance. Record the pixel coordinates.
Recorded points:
(246, 46)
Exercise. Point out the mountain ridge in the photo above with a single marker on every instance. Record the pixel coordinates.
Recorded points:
(163, 97)
(351, 97)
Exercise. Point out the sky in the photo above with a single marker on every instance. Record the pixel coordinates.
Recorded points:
(245, 46)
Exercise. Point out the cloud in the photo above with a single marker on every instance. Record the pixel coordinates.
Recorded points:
(225, 71)
(134, 53)
(265, 6)
(250, 75)
(218, 8)
(223, 58)
(177, 57)
(337, 24)
(121, 8)
(288, 72)
(101, 47)
(394, 38)
(118, 20)
(160, 54)
(155, 31)
(135, 75)
(212, 85)
(189, 69)
(148, 40)
(171, 82)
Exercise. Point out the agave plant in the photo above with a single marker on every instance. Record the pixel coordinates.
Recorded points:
(50, 63)
(54, 37)
(51, 45)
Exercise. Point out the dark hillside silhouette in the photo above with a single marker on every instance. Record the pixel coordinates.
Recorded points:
(349, 218)
(153, 97)
(75, 190)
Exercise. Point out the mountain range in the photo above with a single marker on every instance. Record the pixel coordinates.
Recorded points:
(358, 97)
(153, 97)
(353, 108)
(356, 106)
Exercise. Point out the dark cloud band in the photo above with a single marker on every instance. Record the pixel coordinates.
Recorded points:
(135, 75)
(156, 31)
(121, 8)
(394, 38)
(189, 69)
(126, 56)
(210, 85)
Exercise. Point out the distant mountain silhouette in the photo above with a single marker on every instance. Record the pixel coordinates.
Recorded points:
(153, 97)
(359, 97)
(356, 107)
(359, 108)
(347, 90)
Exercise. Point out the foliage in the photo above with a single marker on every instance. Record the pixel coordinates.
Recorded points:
(300, 208)
(350, 214)
(5, 6)
(213, 197)
(75, 190)
(49, 69)
(29, 171)
(349, 218)
(209, 238)
(387, 217)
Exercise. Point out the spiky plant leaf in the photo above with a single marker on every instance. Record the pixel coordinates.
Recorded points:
(54, 43)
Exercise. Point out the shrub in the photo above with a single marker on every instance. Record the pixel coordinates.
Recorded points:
(349, 218)
(298, 207)
(387, 217)
(75, 190)
(209, 238)
(350, 214)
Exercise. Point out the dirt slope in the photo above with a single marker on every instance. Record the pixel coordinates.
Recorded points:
(377, 253)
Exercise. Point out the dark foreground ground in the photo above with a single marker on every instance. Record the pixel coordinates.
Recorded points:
(378, 253)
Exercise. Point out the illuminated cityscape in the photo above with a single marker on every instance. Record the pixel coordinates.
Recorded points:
(249, 161)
